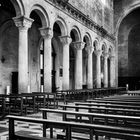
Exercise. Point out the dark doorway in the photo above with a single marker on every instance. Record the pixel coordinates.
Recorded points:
(14, 82)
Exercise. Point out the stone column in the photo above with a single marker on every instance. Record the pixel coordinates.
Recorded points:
(112, 71)
(89, 50)
(105, 79)
(47, 34)
(23, 25)
(78, 68)
(98, 68)
(66, 40)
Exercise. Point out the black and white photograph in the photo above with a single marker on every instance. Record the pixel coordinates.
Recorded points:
(69, 69)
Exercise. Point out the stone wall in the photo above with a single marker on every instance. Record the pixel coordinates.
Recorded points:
(99, 12)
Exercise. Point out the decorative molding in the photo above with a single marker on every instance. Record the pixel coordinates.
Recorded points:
(23, 22)
(66, 7)
(78, 45)
(65, 40)
(106, 55)
(46, 32)
(89, 49)
(111, 57)
(98, 53)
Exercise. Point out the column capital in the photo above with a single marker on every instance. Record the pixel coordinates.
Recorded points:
(23, 22)
(89, 49)
(46, 32)
(106, 55)
(65, 40)
(111, 57)
(78, 45)
(98, 52)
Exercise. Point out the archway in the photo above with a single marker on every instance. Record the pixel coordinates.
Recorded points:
(128, 51)
(35, 54)
(36, 48)
(134, 57)
(8, 48)
(94, 59)
(102, 65)
(75, 36)
(59, 29)
(85, 60)
(110, 52)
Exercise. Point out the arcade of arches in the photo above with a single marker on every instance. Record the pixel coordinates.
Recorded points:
(47, 45)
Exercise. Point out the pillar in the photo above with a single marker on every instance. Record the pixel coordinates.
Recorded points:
(98, 54)
(112, 71)
(66, 40)
(47, 34)
(89, 50)
(105, 79)
(23, 25)
(78, 68)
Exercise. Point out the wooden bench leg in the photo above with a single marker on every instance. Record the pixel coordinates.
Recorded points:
(44, 130)
(51, 132)
(11, 129)
(91, 134)
(96, 137)
(68, 133)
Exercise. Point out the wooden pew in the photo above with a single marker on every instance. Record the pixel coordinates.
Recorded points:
(46, 99)
(108, 105)
(84, 94)
(123, 97)
(134, 93)
(99, 118)
(97, 130)
(114, 102)
(97, 109)
(13, 104)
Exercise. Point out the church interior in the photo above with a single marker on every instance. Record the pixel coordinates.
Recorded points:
(69, 70)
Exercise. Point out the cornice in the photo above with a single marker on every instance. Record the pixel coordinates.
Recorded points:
(76, 14)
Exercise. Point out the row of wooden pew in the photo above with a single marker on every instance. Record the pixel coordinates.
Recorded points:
(22, 104)
(117, 118)
(84, 94)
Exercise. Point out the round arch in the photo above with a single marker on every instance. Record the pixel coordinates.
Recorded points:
(19, 7)
(77, 33)
(88, 38)
(42, 14)
(110, 50)
(104, 47)
(96, 44)
(123, 15)
(62, 24)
